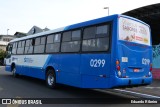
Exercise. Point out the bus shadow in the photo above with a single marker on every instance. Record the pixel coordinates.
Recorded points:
(64, 90)
(72, 91)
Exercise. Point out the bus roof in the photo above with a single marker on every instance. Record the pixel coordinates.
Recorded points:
(75, 26)
(70, 27)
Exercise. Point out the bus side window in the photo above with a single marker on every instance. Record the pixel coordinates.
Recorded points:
(8, 50)
(29, 46)
(20, 48)
(9, 47)
(71, 41)
(39, 45)
(97, 41)
(53, 43)
(14, 49)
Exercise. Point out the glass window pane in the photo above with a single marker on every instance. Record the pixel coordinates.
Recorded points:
(99, 44)
(43, 39)
(52, 47)
(39, 49)
(15, 45)
(50, 39)
(27, 42)
(70, 46)
(20, 50)
(66, 36)
(57, 38)
(76, 35)
(23, 42)
(102, 44)
(89, 45)
(29, 50)
(14, 51)
(37, 41)
(102, 31)
(19, 44)
(89, 33)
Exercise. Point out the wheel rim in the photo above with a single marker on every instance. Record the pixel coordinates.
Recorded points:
(50, 79)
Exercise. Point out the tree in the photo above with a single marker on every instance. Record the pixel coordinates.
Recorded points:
(2, 56)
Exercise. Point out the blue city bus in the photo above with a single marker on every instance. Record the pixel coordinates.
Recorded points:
(107, 52)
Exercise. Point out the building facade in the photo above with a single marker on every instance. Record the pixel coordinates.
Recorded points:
(4, 39)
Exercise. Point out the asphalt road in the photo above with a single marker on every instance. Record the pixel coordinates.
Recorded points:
(26, 87)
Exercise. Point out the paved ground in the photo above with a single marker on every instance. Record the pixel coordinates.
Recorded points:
(152, 89)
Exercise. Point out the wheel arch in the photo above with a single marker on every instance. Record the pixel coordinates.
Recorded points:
(12, 66)
(47, 68)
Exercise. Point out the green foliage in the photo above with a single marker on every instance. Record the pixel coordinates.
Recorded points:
(2, 54)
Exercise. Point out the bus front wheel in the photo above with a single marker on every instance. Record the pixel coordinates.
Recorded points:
(51, 78)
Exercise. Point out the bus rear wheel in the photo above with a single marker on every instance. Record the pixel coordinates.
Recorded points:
(51, 78)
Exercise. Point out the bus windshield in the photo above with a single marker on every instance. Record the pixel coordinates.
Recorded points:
(134, 31)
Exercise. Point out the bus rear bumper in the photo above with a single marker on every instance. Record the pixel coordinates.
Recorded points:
(128, 82)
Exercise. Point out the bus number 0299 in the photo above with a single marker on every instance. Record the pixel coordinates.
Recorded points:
(97, 62)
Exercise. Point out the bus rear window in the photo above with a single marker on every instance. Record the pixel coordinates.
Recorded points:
(133, 31)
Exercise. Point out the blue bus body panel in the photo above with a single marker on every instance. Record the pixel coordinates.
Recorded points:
(92, 71)
(35, 72)
(135, 54)
(66, 67)
(69, 70)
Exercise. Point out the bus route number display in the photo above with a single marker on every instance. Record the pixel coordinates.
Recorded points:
(97, 62)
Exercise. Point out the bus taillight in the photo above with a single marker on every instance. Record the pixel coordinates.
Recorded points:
(118, 68)
(117, 62)
(117, 65)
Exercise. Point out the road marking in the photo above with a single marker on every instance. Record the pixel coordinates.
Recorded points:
(140, 95)
(128, 93)
(113, 92)
(152, 87)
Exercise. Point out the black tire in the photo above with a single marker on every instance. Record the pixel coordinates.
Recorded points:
(14, 72)
(51, 79)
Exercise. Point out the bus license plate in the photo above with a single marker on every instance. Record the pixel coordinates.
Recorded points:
(136, 70)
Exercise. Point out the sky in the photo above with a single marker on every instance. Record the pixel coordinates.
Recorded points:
(22, 15)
